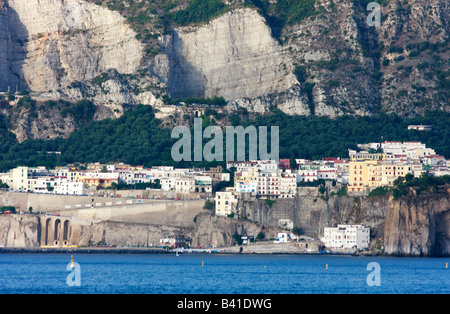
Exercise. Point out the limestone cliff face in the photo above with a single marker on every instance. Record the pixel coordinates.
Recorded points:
(411, 226)
(414, 225)
(20, 231)
(418, 226)
(215, 230)
(47, 45)
(330, 63)
(313, 213)
(417, 36)
(123, 234)
(234, 56)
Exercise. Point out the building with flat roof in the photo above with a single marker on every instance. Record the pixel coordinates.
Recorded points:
(347, 237)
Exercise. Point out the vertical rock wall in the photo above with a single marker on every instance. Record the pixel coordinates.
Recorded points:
(48, 44)
(415, 225)
(234, 56)
(19, 231)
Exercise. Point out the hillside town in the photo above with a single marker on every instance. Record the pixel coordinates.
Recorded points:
(374, 165)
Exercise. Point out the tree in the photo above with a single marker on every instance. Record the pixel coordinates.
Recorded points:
(297, 230)
(409, 177)
(210, 205)
(237, 238)
(11, 209)
(260, 236)
(322, 189)
(292, 162)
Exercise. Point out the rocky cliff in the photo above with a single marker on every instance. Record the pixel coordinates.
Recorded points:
(322, 58)
(220, 231)
(234, 56)
(417, 225)
(124, 234)
(313, 213)
(47, 45)
(413, 225)
(20, 231)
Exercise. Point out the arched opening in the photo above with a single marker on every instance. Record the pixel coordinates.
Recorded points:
(66, 231)
(57, 232)
(47, 232)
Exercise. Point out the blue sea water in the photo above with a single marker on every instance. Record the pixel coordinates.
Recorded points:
(220, 274)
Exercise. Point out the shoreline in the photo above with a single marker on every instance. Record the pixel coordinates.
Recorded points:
(124, 250)
(267, 249)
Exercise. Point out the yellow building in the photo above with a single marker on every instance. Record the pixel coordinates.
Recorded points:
(361, 156)
(358, 176)
(371, 174)
(226, 202)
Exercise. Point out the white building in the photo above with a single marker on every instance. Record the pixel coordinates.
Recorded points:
(347, 237)
(267, 165)
(327, 173)
(307, 175)
(413, 150)
(187, 184)
(167, 184)
(288, 184)
(268, 184)
(246, 186)
(283, 237)
(24, 178)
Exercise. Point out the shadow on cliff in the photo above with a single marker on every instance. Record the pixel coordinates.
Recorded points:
(13, 51)
(441, 234)
(184, 79)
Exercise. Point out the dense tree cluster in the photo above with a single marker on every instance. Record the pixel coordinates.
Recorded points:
(138, 138)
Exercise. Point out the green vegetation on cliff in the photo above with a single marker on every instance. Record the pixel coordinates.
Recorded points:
(403, 185)
(198, 11)
(138, 138)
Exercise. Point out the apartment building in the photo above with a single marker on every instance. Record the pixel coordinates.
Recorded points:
(307, 175)
(99, 180)
(288, 185)
(226, 202)
(24, 179)
(187, 184)
(347, 237)
(364, 155)
(269, 184)
(372, 174)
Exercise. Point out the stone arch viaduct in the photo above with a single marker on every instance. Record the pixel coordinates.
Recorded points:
(56, 231)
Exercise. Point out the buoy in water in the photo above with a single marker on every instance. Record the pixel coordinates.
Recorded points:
(446, 265)
(326, 266)
(203, 263)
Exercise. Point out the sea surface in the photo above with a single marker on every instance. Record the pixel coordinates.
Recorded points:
(220, 274)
